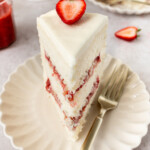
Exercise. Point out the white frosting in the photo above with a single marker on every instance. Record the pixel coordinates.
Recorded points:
(71, 40)
(73, 76)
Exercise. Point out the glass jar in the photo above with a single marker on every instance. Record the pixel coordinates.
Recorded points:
(7, 30)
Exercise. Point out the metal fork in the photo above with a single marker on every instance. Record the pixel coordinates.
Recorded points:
(108, 100)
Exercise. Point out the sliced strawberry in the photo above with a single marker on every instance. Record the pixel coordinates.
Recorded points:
(128, 33)
(70, 11)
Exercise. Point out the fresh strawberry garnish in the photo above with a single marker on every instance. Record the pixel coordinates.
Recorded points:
(70, 11)
(128, 33)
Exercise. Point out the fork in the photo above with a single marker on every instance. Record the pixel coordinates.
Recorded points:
(108, 100)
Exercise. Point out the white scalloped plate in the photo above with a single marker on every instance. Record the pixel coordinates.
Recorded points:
(125, 8)
(32, 123)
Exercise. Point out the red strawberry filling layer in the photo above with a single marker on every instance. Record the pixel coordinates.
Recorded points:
(67, 93)
(75, 120)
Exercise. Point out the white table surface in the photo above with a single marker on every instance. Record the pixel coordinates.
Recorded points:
(136, 54)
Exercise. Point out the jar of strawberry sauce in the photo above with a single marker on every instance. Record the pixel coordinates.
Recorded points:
(7, 30)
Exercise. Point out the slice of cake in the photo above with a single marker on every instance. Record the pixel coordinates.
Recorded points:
(72, 57)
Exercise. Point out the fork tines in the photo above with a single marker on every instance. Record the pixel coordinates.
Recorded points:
(115, 84)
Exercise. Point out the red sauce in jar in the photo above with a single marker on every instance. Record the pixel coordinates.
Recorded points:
(7, 31)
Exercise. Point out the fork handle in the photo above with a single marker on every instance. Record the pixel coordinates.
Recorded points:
(92, 133)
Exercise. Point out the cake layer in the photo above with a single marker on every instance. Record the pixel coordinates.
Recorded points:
(68, 94)
(72, 49)
(74, 124)
(71, 108)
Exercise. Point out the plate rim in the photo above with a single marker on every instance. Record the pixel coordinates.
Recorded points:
(119, 10)
(38, 56)
(3, 125)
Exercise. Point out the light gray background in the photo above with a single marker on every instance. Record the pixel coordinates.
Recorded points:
(136, 54)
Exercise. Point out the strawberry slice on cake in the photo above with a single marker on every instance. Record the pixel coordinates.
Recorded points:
(72, 57)
(70, 11)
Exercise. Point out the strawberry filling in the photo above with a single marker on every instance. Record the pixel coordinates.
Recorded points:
(67, 93)
(75, 120)
(94, 88)
(50, 90)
